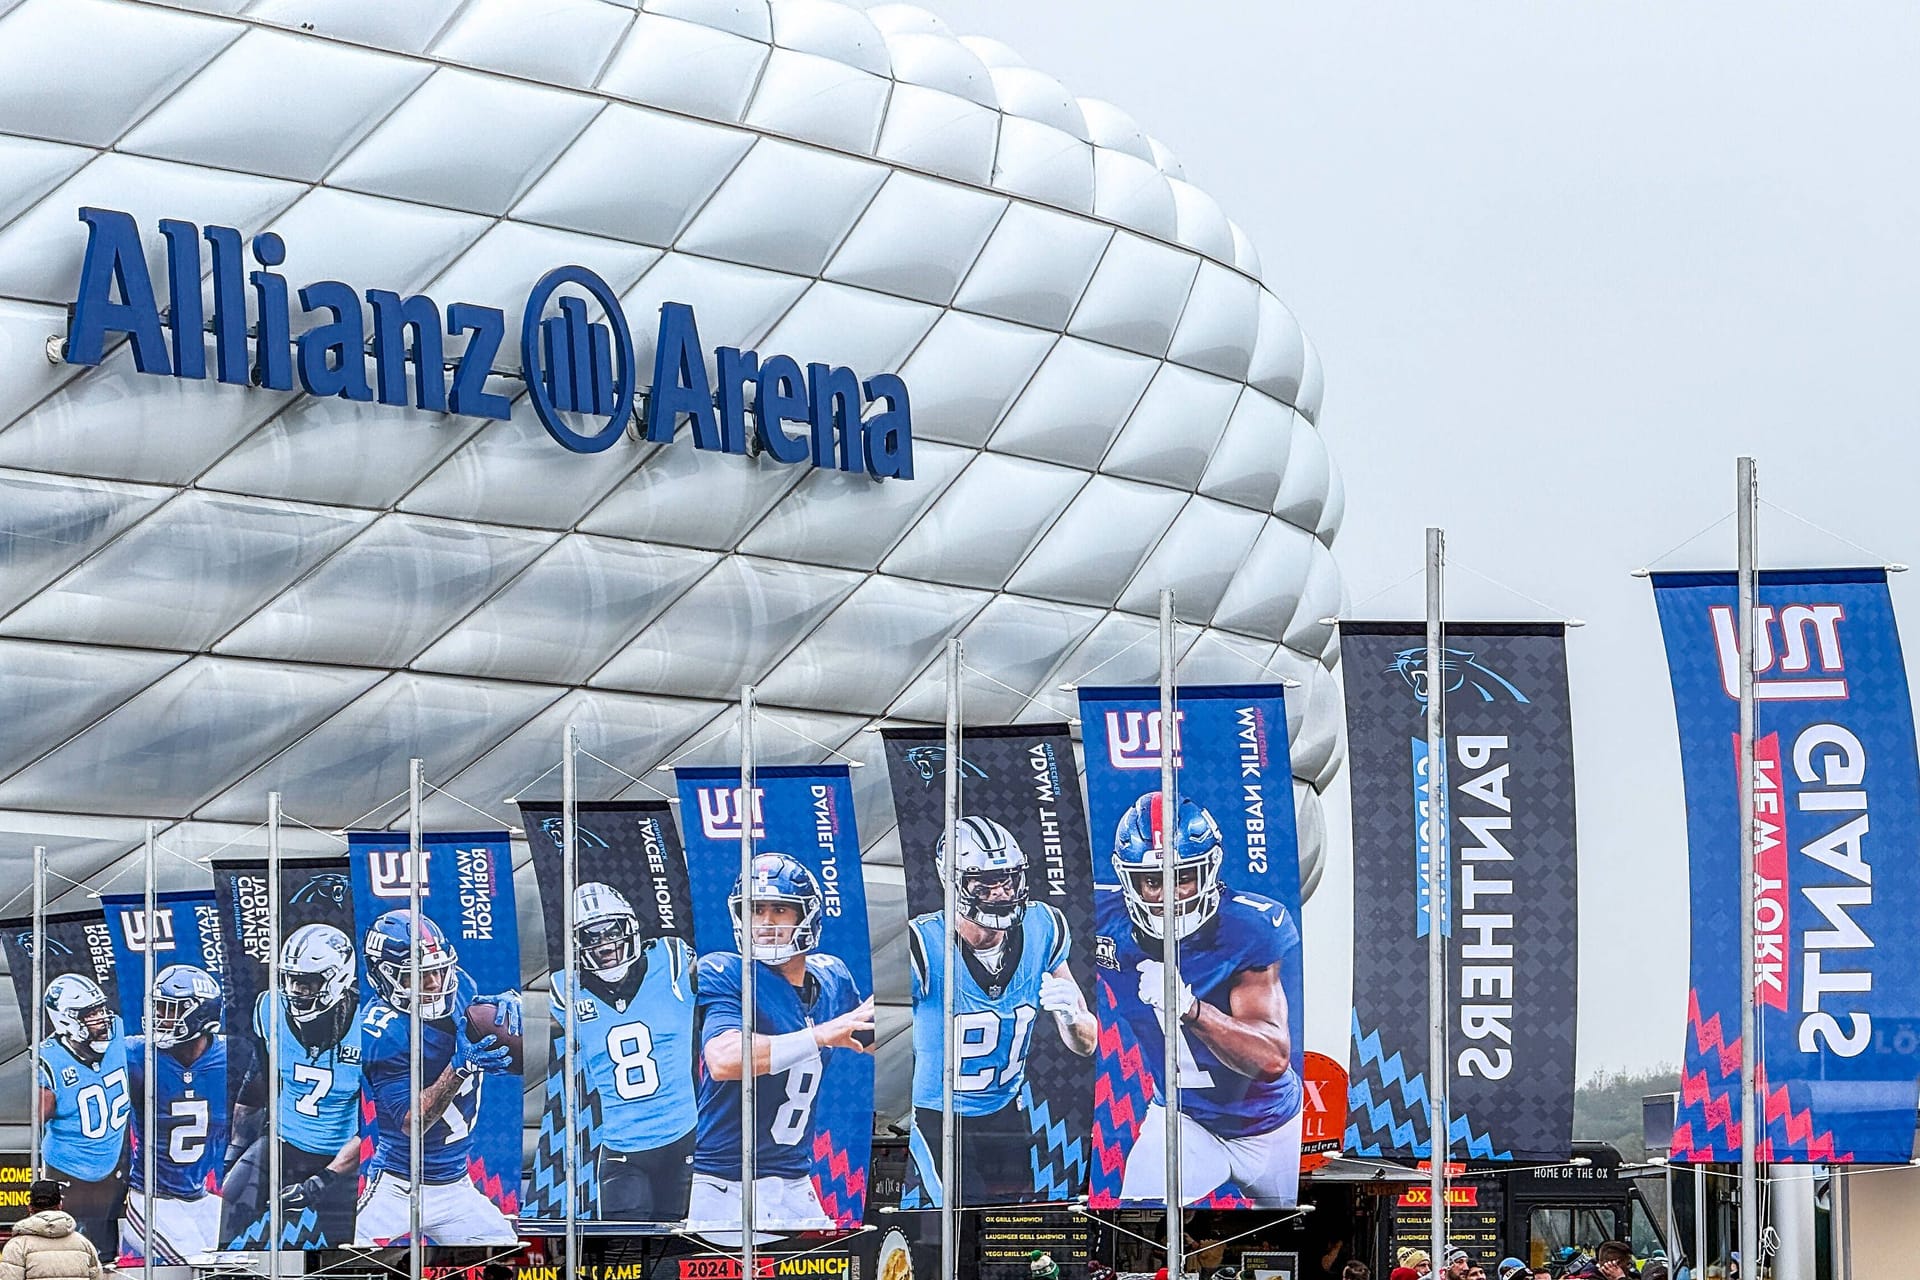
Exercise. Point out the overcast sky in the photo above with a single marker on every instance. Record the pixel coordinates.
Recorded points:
(1563, 263)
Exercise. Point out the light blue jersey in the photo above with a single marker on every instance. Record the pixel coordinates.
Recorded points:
(995, 1010)
(319, 1103)
(91, 1102)
(635, 1056)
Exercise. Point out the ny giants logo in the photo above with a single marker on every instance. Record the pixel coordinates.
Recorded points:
(1807, 633)
(134, 925)
(1133, 739)
(720, 812)
(394, 875)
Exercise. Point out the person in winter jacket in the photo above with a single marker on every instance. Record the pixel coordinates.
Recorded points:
(45, 1243)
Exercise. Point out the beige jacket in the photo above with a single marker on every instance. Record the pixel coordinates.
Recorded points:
(45, 1246)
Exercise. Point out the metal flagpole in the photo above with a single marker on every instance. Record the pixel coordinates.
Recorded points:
(275, 1173)
(416, 875)
(1170, 945)
(149, 1119)
(749, 975)
(39, 1029)
(1699, 1220)
(1439, 910)
(1747, 500)
(569, 979)
(949, 1046)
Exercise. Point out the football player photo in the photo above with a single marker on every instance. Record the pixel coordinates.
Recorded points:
(316, 1097)
(456, 1057)
(1012, 983)
(806, 1008)
(84, 1103)
(1240, 1092)
(190, 1116)
(633, 1052)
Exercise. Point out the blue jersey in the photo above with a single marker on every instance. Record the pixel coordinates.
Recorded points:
(190, 1108)
(995, 1010)
(1249, 931)
(88, 1128)
(384, 1032)
(783, 1104)
(636, 1055)
(319, 1102)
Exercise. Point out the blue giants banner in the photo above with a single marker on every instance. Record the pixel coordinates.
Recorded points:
(1837, 890)
(813, 998)
(1236, 912)
(470, 1035)
(190, 1069)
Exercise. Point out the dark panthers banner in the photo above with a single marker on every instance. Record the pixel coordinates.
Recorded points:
(1236, 912)
(315, 1099)
(1837, 822)
(83, 1059)
(470, 1028)
(1023, 1082)
(631, 963)
(813, 996)
(1511, 918)
(191, 1111)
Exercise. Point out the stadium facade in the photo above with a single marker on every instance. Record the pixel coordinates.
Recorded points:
(210, 591)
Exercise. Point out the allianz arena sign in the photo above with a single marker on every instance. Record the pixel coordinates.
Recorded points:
(578, 372)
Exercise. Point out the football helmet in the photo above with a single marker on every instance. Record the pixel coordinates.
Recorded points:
(186, 1005)
(388, 949)
(780, 878)
(989, 873)
(77, 1009)
(316, 970)
(1138, 846)
(606, 932)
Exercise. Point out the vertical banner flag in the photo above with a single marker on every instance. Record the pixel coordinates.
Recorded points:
(83, 1060)
(190, 1066)
(1511, 914)
(470, 1035)
(1834, 903)
(1023, 1074)
(1236, 913)
(315, 1098)
(631, 992)
(813, 997)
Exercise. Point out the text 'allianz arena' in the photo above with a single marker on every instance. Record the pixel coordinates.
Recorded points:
(210, 592)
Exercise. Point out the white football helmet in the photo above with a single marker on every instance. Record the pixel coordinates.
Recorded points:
(77, 1008)
(989, 873)
(316, 970)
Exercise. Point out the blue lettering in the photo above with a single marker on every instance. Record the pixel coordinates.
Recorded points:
(680, 381)
(229, 305)
(470, 394)
(333, 355)
(273, 362)
(392, 317)
(184, 311)
(737, 368)
(115, 260)
(890, 432)
(834, 407)
(782, 397)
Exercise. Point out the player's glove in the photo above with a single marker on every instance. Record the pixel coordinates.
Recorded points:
(307, 1194)
(1061, 996)
(484, 1057)
(510, 1014)
(1153, 992)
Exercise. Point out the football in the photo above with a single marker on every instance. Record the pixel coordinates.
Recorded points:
(483, 1021)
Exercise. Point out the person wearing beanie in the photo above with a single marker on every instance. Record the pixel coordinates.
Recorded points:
(45, 1244)
(1512, 1269)
(1403, 1273)
(1458, 1264)
(1417, 1261)
(1041, 1266)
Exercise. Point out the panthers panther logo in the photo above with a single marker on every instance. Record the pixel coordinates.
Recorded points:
(930, 762)
(329, 888)
(1459, 668)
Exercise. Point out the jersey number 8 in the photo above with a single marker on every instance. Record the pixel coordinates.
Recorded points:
(635, 1074)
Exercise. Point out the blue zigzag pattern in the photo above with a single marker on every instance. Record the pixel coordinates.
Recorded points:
(1378, 1116)
(1059, 1162)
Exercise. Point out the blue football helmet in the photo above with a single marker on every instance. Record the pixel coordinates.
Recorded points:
(388, 948)
(1138, 847)
(186, 1005)
(779, 878)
